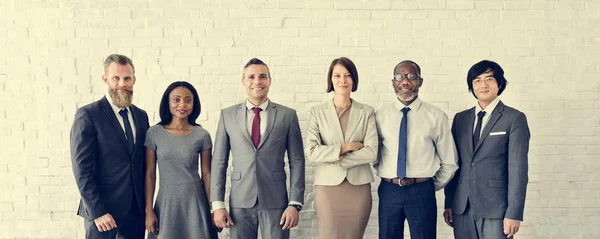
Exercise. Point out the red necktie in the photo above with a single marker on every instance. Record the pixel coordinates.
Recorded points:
(256, 127)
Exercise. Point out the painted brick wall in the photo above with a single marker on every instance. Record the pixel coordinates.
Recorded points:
(51, 55)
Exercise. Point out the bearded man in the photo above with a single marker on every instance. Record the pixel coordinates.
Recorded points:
(417, 157)
(107, 155)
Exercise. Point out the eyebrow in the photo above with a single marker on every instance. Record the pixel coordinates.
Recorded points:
(486, 75)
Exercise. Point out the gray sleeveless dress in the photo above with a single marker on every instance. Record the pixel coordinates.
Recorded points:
(181, 206)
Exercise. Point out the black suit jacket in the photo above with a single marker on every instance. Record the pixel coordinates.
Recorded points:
(108, 175)
(493, 175)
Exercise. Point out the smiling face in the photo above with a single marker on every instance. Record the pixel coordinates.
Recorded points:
(341, 80)
(407, 83)
(485, 87)
(181, 102)
(257, 81)
(120, 80)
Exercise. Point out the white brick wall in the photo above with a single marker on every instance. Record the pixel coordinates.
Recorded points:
(51, 55)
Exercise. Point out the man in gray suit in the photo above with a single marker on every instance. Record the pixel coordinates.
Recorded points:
(258, 132)
(486, 198)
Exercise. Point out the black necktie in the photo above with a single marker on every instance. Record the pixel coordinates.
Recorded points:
(477, 131)
(128, 131)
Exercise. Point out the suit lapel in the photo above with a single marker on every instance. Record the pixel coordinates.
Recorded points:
(496, 114)
(353, 119)
(242, 111)
(138, 130)
(331, 113)
(271, 114)
(115, 123)
(469, 124)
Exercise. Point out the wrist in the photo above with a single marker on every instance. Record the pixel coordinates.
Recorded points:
(297, 207)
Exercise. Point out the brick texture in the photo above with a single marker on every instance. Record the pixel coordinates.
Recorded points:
(51, 55)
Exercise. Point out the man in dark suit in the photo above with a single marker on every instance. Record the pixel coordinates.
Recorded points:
(107, 154)
(486, 198)
(258, 133)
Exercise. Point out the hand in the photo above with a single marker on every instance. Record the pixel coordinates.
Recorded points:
(151, 223)
(105, 223)
(222, 218)
(448, 216)
(212, 215)
(511, 227)
(289, 218)
(350, 146)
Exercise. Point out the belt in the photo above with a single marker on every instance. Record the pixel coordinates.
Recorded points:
(406, 181)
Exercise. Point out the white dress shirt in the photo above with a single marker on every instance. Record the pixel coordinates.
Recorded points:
(431, 151)
(263, 117)
(488, 112)
(120, 118)
(263, 126)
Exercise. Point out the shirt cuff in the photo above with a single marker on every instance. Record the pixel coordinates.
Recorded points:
(218, 205)
(291, 203)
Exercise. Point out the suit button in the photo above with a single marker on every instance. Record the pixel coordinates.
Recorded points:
(473, 164)
(256, 153)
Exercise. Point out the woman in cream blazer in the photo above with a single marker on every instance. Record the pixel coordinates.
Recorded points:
(341, 143)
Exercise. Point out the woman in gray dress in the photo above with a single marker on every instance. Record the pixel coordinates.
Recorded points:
(175, 144)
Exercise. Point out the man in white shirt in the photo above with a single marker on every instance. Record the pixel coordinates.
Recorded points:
(417, 157)
(486, 199)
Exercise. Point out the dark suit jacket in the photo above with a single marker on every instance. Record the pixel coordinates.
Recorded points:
(493, 175)
(108, 176)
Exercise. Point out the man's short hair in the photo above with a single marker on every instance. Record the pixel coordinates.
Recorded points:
(119, 59)
(256, 61)
(486, 66)
(408, 62)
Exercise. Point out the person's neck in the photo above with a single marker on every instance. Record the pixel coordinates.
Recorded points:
(484, 104)
(407, 103)
(342, 101)
(179, 124)
(257, 101)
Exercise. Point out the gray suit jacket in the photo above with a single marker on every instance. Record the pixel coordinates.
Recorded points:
(258, 173)
(325, 139)
(493, 175)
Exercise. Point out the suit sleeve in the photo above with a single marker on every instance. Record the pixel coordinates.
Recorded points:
(219, 162)
(450, 188)
(316, 151)
(295, 154)
(368, 154)
(83, 159)
(518, 148)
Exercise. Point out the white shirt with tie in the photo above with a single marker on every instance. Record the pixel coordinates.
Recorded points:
(120, 118)
(431, 151)
(488, 112)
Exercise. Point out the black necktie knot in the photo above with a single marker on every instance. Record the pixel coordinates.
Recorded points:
(123, 112)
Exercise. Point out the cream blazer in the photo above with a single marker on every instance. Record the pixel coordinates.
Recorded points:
(324, 140)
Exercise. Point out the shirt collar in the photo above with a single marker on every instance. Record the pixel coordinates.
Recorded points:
(415, 105)
(262, 106)
(490, 108)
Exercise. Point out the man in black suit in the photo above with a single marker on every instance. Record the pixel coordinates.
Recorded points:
(486, 198)
(107, 154)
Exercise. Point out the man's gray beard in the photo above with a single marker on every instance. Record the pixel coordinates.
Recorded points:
(119, 100)
(407, 98)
